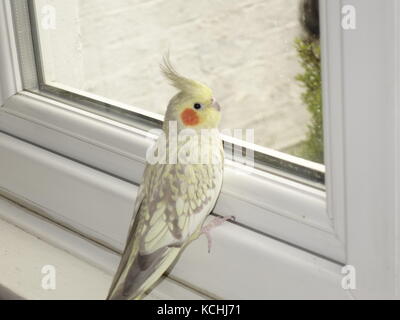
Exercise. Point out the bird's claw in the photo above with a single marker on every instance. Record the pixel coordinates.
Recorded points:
(213, 224)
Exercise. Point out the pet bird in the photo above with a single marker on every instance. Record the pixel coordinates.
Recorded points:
(174, 199)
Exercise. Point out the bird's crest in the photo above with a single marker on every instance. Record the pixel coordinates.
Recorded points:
(181, 83)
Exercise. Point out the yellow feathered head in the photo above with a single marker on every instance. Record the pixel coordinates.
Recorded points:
(194, 106)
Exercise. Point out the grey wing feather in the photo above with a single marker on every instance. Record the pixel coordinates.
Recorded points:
(124, 259)
(163, 226)
(129, 242)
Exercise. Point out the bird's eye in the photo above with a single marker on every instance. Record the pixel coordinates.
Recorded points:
(197, 106)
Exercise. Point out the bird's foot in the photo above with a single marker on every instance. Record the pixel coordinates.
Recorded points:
(212, 225)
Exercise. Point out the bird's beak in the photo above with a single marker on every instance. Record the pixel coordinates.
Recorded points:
(216, 105)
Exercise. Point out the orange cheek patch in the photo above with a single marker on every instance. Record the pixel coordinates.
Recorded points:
(190, 117)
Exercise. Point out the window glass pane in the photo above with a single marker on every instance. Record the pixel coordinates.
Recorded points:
(261, 57)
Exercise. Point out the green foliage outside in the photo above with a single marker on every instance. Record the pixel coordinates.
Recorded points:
(310, 59)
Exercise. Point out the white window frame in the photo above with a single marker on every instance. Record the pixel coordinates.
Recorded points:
(100, 161)
(272, 205)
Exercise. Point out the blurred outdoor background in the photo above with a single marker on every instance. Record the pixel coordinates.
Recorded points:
(261, 57)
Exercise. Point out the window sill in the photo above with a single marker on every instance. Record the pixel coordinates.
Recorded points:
(268, 269)
(23, 253)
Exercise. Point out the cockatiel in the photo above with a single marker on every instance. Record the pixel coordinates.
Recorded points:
(174, 199)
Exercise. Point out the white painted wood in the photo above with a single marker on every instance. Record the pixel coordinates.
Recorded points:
(83, 270)
(277, 270)
(22, 258)
(89, 201)
(397, 148)
(332, 86)
(10, 80)
(370, 126)
(58, 236)
(253, 266)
